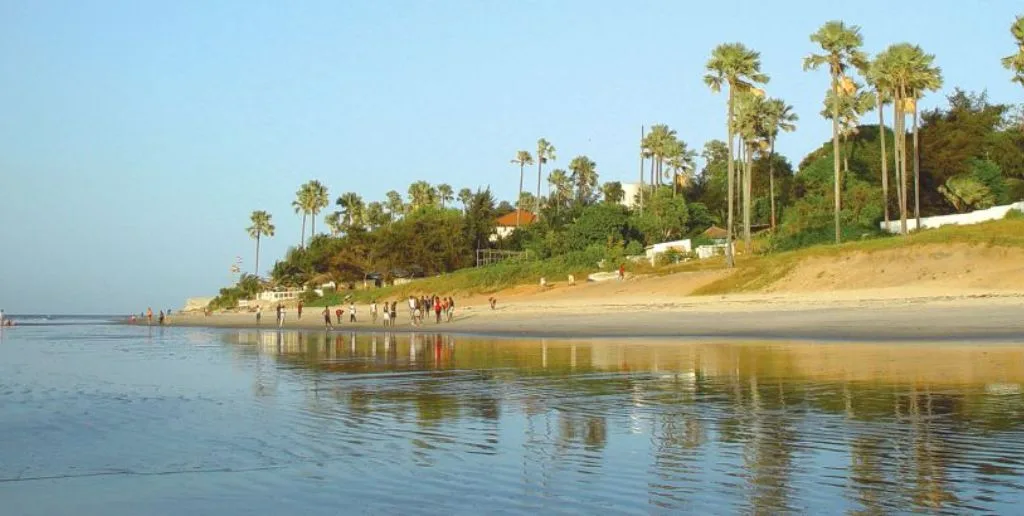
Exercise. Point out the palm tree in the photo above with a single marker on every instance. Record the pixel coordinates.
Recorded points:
(779, 116)
(852, 106)
(750, 114)
(735, 66)
(421, 194)
(545, 153)
(317, 202)
(841, 44)
(394, 203)
(1015, 62)
(908, 72)
(561, 187)
(612, 192)
(375, 216)
(351, 208)
(526, 202)
(926, 77)
(584, 176)
(522, 158)
(445, 194)
(465, 196)
(261, 226)
(301, 205)
(681, 164)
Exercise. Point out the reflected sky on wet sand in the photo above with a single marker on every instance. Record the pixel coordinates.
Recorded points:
(129, 420)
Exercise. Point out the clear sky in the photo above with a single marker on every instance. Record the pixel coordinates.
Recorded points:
(136, 137)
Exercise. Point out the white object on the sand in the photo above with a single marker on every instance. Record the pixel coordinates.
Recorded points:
(603, 276)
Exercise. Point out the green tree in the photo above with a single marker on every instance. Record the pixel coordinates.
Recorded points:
(445, 194)
(561, 187)
(527, 202)
(480, 217)
(545, 153)
(852, 106)
(393, 202)
(465, 196)
(735, 66)
(841, 45)
(778, 117)
(334, 223)
(749, 122)
(522, 158)
(612, 192)
(584, 177)
(1015, 62)
(375, 216)
(681, 165)
(261, 226)
(876, 77)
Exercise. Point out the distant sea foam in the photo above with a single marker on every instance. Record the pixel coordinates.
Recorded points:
(62, 319)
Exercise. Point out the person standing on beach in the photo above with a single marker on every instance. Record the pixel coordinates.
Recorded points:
(412, 306)
(337, 315)
(259, 314)
(161, 317)
(373, 311)
(451, 308)
(394, 312)
(352, 311)
(437, 310)
(280, 315)
(149, 315)
(327, 318)
(622, 272)
(299, 315)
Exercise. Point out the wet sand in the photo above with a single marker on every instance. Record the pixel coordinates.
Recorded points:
(851, 317)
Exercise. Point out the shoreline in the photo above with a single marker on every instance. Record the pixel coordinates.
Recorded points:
(967, 316)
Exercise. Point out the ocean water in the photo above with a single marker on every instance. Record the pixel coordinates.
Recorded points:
(108, 419)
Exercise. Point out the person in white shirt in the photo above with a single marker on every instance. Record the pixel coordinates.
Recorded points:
(352, 312)
(373, 310)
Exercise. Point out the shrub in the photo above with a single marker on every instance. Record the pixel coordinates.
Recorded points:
(634, 248)
(1014, 214)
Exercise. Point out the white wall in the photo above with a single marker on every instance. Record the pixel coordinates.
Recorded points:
(974, 217)
(629, 191)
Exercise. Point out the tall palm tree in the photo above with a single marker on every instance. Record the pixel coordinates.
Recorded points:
(545, 153)
(749, 120)
(779, 116)
(878, 80)
(301, 205)
(584, 177)
(681, 161)
(317, 202)
(465, 196)
(445, 194)
(737, 67)
(841, 45)
(351, 208)
(926, 77)
(261, 226)
(561, 187)
(1015, 62)
(374, 215)
(522, 158)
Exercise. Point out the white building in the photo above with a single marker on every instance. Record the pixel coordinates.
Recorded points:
(629, 194)
(681, 246)
(507, 223)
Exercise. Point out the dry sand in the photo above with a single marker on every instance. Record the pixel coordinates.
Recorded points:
(930, 292)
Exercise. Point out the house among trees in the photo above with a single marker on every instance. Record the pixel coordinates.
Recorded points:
(506, 224)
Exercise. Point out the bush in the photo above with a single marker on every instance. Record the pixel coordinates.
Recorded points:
(634, 248)
(1014, 214)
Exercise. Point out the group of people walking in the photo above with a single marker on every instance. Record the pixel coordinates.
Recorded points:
(420, 309)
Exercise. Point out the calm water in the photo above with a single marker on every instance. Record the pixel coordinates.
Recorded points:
(102, 419)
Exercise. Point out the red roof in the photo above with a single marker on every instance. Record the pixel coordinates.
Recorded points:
(509, 219)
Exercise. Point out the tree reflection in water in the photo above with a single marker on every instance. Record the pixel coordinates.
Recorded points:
(770, 427)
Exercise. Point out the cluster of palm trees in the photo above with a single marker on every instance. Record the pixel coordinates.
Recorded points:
(670, 157)
(310, 200)
(900, 75)
(545, 153)
(1015, 62)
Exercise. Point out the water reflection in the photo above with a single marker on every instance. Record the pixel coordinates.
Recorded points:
(763, 427)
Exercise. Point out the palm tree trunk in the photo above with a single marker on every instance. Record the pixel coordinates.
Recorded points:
(730, 260)
(835, 151)
(312, 226)
(903, 167)
(846, 156)
(653, 159)
(536, 203)
(917, 171)
(885, 162)
(518, 199)
(747, 186)
(641, 194)
(256, 268)
(302, 237)
(771, 180)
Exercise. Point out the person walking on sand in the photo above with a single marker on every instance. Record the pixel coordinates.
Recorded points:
(280, 315)
(394, 312)
(451, 308)
(327, 318)
(299, 311)
(259, 314)
(622, 272)
(373, 311)
(352, 311)
(437, 310)
(161, 317)
(337, 315)
(149, 315)
(386, 316)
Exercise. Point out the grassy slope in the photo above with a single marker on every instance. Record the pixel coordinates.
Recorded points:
(758, 272)
(752, 273)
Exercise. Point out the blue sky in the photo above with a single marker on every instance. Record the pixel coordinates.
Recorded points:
(136, 137)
